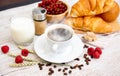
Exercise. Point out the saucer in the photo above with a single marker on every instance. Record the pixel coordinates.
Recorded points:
(43, 50)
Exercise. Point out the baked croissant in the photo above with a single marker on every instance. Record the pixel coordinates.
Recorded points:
(112, 14)
(91, 7)
(89, 23)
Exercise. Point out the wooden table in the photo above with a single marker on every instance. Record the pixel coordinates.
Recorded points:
(107, 65)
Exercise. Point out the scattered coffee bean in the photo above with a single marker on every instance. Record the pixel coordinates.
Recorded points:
(49, 73)
(85, 46)
(87, 63)
(71, 67)
(79, 67)
(62, 63)
(40, 66)
(50, 69)
(77, 59)
(65, 73)
(48, 64)
(59, 70)
(88, 59)
(85, 55)
(70, 71)
(54, 66)
(75, 66)
(65, 68)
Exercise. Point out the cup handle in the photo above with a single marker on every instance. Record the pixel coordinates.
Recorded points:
(55, 48)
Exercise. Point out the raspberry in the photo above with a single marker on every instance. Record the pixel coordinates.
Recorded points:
(5, 49)
(98, 50)
(90, 51)
(96, 55)
(24, 52)
(18, 59)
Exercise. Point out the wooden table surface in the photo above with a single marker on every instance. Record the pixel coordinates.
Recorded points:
(107, 65)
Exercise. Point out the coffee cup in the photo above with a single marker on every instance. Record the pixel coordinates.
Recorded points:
(59, 37)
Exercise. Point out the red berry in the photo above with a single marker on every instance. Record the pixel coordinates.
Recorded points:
(90, 51)
(52, 6)
(39, 4)
(98, 50)
(5, 49)
(96, 55)
(18, 59)
(24, 52)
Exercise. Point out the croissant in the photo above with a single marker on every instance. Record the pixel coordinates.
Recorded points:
(90, 7)
(89, 23)
(112, 14)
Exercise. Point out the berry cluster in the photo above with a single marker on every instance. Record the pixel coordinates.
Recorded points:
(95, 53)
(53, 7)
(18, 59)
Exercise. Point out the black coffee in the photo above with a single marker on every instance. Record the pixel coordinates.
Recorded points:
(59, 34)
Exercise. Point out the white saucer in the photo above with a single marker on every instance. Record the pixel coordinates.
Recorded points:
(43, 51)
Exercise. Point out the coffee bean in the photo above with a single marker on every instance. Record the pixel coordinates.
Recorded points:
(62, 63)
(79, 67)
(50, 69)
(70, 71)
(54, 66)
(40, 64)
(87, 63)
(85, 46)
(65, 68)
(76, 66)
(59, 70)
(65, 73)
(77, 59)
(71, 67)
(40, 68)
(88, 59)
(85, 55)
(48, 64)
(49, 73)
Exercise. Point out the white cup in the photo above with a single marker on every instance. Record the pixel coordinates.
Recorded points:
(22, 30)
(59, 37)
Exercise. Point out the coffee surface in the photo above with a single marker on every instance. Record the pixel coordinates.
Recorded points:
(59, 34)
